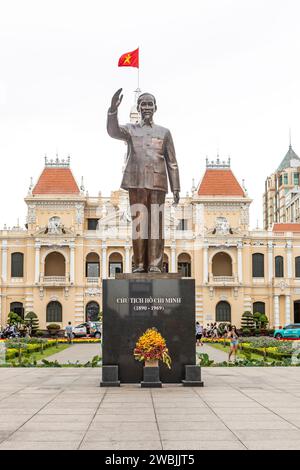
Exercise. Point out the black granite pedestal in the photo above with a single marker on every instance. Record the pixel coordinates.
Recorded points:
(137, 302)
(151, 378)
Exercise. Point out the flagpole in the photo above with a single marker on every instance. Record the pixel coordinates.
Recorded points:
(138, 90)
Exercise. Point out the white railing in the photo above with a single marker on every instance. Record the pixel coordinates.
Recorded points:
(92, 280)
(55, 280)
(224, 279)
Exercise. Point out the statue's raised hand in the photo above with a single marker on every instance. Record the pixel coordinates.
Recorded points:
(116, 100)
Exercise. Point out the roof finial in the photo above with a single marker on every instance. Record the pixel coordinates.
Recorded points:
(290, 138)
(82, 188)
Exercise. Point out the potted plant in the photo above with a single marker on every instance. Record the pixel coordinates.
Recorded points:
(151, 347)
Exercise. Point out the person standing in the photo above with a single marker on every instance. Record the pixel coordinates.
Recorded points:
(234, 342)
(69, 332)
(199, 333)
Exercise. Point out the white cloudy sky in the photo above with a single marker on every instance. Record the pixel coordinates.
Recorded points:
(226, 74)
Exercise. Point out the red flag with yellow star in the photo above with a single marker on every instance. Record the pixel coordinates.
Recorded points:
(129, 59)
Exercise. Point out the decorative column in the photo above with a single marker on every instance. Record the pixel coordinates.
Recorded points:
(289, 259)
(104, 260)
(37, 263)
(287, 309)
(1, 325)
(72, 262)
(270, 261)
(276, 311)
(240, 261)
(173, 259)
(205, 263)
(127, 259)
(4, 261)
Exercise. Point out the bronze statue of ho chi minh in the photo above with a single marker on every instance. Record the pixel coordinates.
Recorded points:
(150, 157)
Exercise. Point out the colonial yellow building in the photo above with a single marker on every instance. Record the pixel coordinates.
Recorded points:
(55, 265)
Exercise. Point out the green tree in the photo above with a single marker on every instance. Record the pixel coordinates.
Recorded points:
(261, 320)
(15, 319)
(32, 322)
(247, 322)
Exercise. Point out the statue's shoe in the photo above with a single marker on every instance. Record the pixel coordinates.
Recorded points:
(138, 270)
(154, 269)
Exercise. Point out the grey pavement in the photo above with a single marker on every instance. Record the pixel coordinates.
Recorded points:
(64, 408)
(81, 353)
(213, 353)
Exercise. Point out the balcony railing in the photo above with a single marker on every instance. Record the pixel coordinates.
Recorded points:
(55, 280)
(224, 279)
(92, 280)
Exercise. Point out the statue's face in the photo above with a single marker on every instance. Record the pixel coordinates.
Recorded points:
(147, 107)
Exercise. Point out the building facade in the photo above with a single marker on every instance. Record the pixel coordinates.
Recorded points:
(282, 192)
(71, 242)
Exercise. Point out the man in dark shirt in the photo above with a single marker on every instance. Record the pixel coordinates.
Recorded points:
(150, 161)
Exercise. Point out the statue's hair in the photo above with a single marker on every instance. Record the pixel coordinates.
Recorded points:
(143, 95)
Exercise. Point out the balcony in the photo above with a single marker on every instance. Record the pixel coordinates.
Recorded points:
(223, 280)
(92, 280)
(55, 280)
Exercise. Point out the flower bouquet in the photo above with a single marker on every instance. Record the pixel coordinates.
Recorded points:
(151, 346)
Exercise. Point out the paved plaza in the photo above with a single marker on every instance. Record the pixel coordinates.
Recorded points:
(64, 408)
(80, 353)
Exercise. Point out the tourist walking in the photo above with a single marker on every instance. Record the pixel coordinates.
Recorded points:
(69, 332)
(234, 342)
(199, 333)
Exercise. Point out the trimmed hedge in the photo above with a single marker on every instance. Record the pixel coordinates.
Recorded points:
(265, 352)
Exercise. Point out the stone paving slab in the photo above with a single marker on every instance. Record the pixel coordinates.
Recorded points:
(242, 408)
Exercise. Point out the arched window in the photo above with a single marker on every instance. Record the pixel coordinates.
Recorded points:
(223, 311)
(17, 265)
(17, 307)
(297, 266)
(222, 264)
(54, 312)
(259, 307)
(279, 266)
(92, 265)
(92, 311)
(184, 265)
(115, 264)
(55, 264)
(258, 265)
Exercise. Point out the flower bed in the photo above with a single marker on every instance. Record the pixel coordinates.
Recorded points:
(264, 346)
(80, 340)
(25, 347)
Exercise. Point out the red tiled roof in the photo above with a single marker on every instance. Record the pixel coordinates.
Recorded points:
(217, 182)
(56, 181)
(286, 228)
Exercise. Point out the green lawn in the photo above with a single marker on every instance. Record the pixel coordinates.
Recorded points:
(39, 356)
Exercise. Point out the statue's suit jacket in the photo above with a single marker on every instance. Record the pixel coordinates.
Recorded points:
(150, 155)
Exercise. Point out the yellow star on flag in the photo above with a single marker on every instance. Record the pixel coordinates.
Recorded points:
(127, 59)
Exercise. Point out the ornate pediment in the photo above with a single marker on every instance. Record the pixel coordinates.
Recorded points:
(59, 231)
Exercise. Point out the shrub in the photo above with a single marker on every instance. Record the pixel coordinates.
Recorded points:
(247, 321)
(260, 319)
(31, 320)
(39, 333)
(53, 329)
(14, 319)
